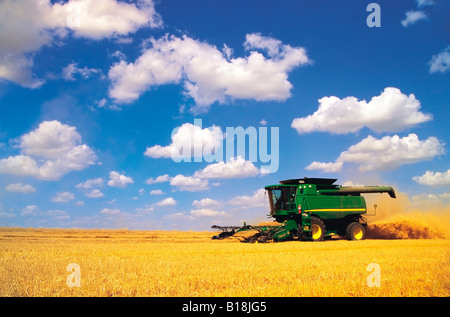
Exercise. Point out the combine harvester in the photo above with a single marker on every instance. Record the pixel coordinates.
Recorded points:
(311, 209)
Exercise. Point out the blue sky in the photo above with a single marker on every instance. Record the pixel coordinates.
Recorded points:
(92, 94)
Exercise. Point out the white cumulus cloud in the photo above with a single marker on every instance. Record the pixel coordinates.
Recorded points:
(440, 62)
(167, 202)
(434, 178)
(159, 179)
(208, 74)
(189, 141)
(91, 187)
(204, 212)
(91, 183)
(119, 180)
(330, 167)
(207, 203)
(258, 199)
(49, 152)
(30, 210)
(19, 188)
(72, 69)
(105, 18)
(387, 153)
(189, 183)
(235, 168)
(42, 23)
(94, 193)
(413, 17)
(391, 111)
(391, 152)
(63, 197)
(109, 211)
(424, 3)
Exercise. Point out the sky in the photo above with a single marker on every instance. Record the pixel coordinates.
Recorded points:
(128, 114)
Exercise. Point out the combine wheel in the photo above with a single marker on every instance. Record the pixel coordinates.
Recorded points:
(260, 238)
(253, 239)
(355, 231)
(265, 239)
(317, 228)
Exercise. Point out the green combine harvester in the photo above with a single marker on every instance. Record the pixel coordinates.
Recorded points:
(311, 209)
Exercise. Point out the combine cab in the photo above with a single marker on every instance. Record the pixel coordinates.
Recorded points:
(311, 209)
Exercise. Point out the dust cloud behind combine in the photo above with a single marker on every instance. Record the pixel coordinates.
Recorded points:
(400, 218)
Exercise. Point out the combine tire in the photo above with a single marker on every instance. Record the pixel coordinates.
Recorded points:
(265, 239)
(355, 231)
(260, 238)
(318, 229)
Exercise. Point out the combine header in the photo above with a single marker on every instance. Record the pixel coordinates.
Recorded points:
(311, 209)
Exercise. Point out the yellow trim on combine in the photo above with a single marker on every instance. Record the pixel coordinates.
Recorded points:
(337, 209)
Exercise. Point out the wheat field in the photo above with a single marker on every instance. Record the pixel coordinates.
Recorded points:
(35, 262)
